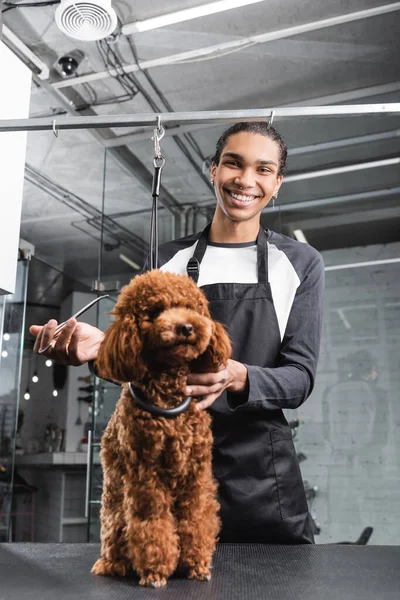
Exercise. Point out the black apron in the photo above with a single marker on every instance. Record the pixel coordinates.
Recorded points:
(261, 491)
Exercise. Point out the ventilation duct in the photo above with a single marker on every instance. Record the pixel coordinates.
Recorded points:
(88, 20)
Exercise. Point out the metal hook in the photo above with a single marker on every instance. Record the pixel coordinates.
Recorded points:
(55, 131)
(271, 119)
(158, 134)
(160, 129)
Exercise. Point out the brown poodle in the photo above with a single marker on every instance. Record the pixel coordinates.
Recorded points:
(159, 507)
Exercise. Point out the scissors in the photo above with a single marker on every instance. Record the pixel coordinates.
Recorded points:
(61, 326)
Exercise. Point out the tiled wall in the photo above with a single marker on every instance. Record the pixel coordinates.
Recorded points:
(349, 427)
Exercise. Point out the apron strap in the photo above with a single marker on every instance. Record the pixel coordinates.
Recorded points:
(262, 256)
(193, 266)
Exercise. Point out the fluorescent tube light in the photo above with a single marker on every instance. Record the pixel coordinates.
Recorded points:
(25, 54)
(342, 317)
(386, 162)
(367, 263)
(299, 235)
(184, 15)
(129, 262)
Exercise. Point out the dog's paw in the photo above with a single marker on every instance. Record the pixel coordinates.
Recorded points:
(153, 580)
(200, 573)
(107, 567)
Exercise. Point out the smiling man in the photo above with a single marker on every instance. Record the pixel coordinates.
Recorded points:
(246, 175)
(267, 290)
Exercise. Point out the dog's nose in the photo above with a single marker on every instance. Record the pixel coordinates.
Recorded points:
(185, 329)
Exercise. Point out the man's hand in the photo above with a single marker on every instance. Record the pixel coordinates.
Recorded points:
(209, 386)
(77, 344)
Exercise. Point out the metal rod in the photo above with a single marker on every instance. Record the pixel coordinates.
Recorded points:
(88, 473)
(216, 116)
(332, 99)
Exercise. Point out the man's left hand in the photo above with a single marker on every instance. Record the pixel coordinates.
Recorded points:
(207, 387)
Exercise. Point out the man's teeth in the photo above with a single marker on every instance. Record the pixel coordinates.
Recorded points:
(242, 198)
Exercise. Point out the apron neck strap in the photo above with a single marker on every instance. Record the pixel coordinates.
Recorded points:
(193, 266)
(262, 256)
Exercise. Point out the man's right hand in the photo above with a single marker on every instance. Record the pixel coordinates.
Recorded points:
(77, 343)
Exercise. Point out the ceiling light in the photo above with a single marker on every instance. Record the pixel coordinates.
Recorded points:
(25, 54)
(27, 394)
(55, 393)
(185, 15)
(48, 363)
(88, 20)
(299, 235)
(6, 337)
(367, 263)
(4, 354)
(35, 377)
(129, 262)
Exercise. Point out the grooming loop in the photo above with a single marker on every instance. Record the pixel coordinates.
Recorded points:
(155, 410)
(158, 162)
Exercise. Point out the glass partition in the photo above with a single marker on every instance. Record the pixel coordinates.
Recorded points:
(61, 210)
(61, 218)
(12, 487)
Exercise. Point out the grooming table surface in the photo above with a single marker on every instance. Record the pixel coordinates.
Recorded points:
(240, 571)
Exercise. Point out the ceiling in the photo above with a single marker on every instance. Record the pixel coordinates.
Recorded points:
(72, 178)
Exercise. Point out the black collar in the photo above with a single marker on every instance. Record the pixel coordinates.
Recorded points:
(146, 405)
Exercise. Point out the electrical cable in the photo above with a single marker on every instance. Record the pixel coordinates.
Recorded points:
(117, 63)
(126, 83)
(11, 5)
(92, 93)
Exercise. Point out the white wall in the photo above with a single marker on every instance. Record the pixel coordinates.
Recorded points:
(15, 90)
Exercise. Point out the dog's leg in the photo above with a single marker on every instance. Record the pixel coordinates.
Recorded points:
(112, 561)
(152, 542)
(198, 525)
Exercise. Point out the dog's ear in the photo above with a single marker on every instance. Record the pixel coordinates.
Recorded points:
(120, 354)
(217, 353)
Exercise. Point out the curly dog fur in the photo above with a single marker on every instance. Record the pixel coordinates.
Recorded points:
(159, 505)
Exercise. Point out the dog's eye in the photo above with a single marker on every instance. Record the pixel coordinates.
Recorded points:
(153, 313)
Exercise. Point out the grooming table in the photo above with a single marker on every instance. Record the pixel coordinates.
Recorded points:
(240, 571)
